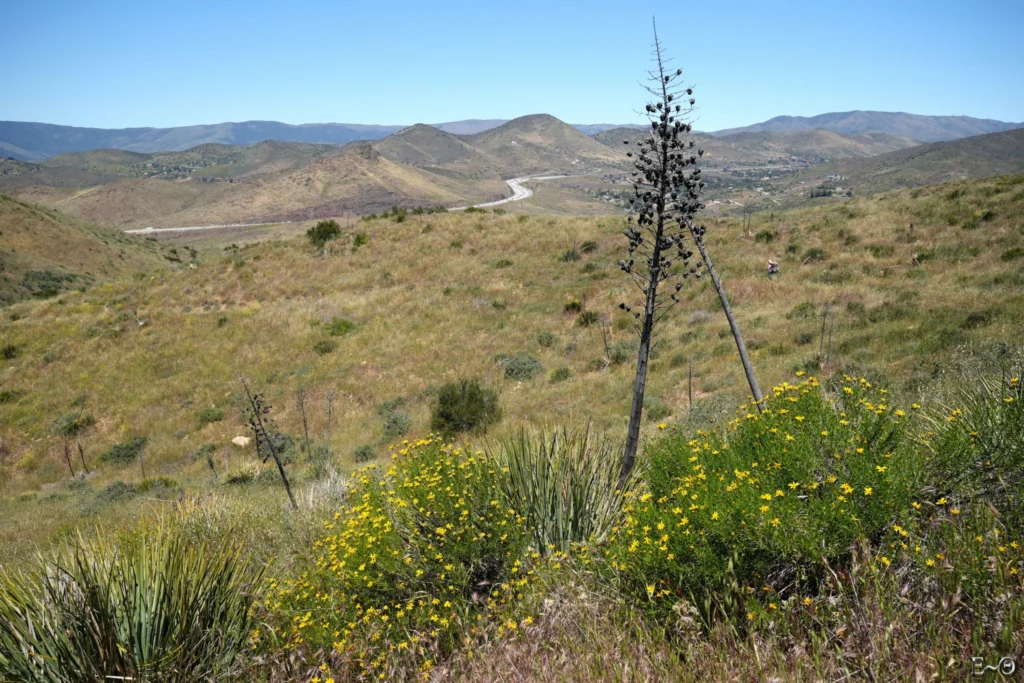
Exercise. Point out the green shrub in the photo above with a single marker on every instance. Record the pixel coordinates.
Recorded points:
(116, 490)
(126, 452)
(210, 415)
(324, 346)
(323, 232)
(655, 408)
(9, 396)
(569, 256)
(560, 374)
(1012, 254)
(390, 405)
(591, 267)
(523, 367)
(564, 484)
(588, 318)
(622, 351)
(396, 424)
(475, 209)
(767, 501)
(339, 327)
(464, 406)
(803, 339)
(573, 306)
(766, 236)
(588, 247)
(365, 453)
(503, 263)
(155, 606)
(283, 444)
(546, 339)
(8, 351)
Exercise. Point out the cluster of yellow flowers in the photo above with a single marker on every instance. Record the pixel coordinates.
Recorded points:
(424, 556)
(799, 479)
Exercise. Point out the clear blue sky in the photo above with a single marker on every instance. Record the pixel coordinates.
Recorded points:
(149, 63)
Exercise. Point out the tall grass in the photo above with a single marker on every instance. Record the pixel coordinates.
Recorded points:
(156, 607)
(564, 483)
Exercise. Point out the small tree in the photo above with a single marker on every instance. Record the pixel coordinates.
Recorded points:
(323, 232)
(666, 187)
(258, 417)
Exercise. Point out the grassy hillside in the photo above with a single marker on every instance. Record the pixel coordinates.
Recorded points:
(435, 298)
(43, 252)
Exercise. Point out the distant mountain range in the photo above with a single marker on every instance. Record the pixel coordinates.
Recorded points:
(913, 126)
(40, 141)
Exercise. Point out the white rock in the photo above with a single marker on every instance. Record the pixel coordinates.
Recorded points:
(241, 441)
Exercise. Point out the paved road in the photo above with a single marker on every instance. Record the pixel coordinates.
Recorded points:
(150, 231)
(518, 191)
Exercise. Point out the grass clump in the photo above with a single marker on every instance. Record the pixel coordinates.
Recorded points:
(339, 327)
(546, 339)
(588, 318)
(464, 406)
(522, 367)
(210, 415)
(324, 346)
(152, 606)
(560, 374)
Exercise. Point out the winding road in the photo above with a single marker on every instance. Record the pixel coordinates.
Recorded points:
(518, 191)
(514, 184)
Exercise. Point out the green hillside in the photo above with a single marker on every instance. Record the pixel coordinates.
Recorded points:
(43, 252)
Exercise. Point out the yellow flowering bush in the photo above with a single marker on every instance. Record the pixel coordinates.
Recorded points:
(416, 561)
(764, 501)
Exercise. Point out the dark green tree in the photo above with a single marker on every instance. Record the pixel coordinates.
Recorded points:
(323, 232)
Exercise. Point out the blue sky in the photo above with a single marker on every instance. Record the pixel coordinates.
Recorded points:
(148, 63)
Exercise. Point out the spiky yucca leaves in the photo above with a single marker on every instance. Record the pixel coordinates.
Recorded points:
(158, 607)
(564, 483)
(977, 444)
(666, 189)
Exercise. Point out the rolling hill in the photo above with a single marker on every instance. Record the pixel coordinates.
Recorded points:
(44, 252)
(540, 143)
(790, 151)
(359, 180)
(975, 157)
(913, 126)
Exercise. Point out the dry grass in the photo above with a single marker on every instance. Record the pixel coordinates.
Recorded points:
(428, 311)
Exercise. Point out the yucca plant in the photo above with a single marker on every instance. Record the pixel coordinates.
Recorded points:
(155, 607)
(564, 483)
